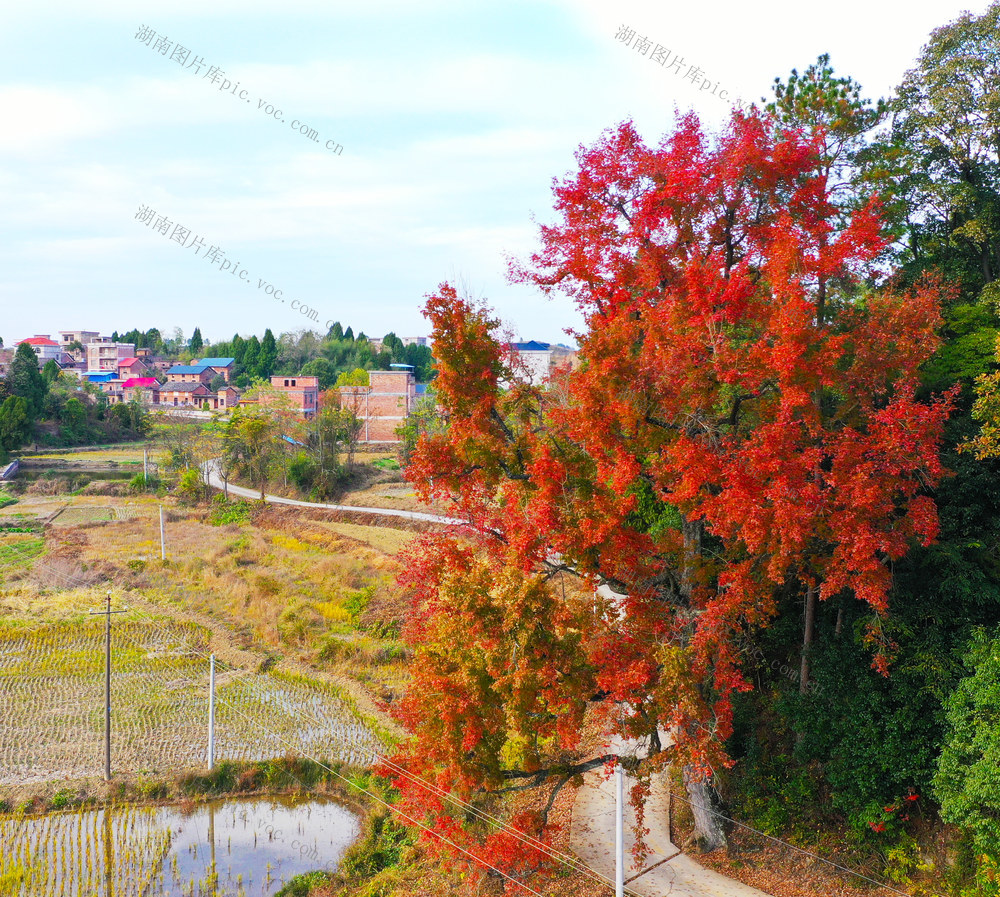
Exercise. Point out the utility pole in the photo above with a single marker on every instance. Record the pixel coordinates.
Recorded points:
(163, 537)
(619, 831)
(107, 612)
(211, 713)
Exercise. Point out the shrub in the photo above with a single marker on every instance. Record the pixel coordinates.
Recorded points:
(967, 782)
(227, 512)
(190, 486)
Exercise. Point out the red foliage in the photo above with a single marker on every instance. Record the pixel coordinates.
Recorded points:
(741, 379)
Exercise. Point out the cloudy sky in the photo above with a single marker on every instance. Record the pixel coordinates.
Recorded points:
(452, 117)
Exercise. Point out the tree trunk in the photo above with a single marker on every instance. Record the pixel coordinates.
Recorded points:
(692, 531)
(709, 826)
(807, 638)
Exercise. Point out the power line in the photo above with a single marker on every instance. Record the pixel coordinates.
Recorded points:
(527, 839)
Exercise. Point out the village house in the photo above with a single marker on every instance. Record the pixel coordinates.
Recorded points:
(132, 367)
(221, 366)
(178, 393)
(190, 373)
(104, 354)
(385, 403)
(146, 389)
(302, 391)
(68, 337)
(46, 348)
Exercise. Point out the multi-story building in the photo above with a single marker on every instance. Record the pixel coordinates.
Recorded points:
(384, 404)
(77, 336)
(46, 348)
(104, 354)
(413, 340)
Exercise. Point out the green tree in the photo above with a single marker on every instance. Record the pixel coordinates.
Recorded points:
(967, 782)
(196, 343)
(358, 377)
(423, 420)
(268, 355)
(15, 423)
(50, 372)
(25, 380)
(250, 443)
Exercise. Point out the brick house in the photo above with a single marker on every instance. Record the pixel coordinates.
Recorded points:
(179, 393)
(132, 367)
(147, 388)
(222, 366)
(384, 404)
(303, 392)
(190, 373)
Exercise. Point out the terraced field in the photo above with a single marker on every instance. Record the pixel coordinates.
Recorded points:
(52, 695)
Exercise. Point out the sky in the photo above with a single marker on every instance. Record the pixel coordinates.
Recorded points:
(177, 165)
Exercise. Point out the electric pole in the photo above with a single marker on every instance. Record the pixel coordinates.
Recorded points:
(107, 612)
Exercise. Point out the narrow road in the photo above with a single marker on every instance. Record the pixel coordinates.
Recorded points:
(214, 479)
(592, 835)
(666, 870)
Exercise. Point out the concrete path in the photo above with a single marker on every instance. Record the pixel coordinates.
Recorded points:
(666, 870)
(215, 479)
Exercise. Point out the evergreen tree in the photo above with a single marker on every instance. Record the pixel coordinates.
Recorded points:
(196, 341)
(25, 380)
(268, 356)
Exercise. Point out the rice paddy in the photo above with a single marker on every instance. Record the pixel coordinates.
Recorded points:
(219, 849)
(52, 692)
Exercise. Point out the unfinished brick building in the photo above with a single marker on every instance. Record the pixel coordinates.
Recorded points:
(384, 404)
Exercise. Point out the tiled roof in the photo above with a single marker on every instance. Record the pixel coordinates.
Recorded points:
(128, 362)
(140, 383)
(39, 341)
(183, 387)
(188, 368)
(531, 346)
(217, 362)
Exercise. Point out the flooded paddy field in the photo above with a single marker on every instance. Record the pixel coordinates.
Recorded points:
(234, 848)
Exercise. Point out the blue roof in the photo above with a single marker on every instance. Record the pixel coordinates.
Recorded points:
(188, 368)
(421, 389)
(292, 441)
(531, 346)
(101, 376)
(217, 362)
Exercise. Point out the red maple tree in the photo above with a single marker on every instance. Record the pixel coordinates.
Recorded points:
(742, 423)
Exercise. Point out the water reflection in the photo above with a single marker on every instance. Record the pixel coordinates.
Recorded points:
(245, 848)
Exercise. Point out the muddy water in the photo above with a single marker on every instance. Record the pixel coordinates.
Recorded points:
(244, 848)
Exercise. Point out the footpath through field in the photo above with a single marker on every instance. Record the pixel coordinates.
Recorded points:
(592, 836)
